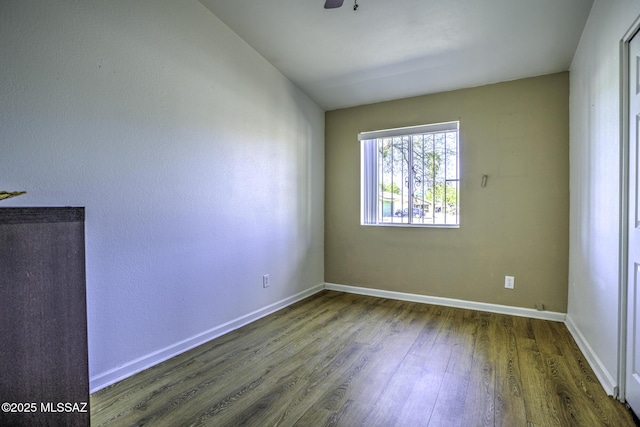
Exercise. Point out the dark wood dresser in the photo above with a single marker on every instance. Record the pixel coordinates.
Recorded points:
(44, 375)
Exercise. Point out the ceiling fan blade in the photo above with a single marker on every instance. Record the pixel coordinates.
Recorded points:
(332, 4)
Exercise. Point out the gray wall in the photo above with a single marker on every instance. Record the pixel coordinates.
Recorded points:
(515, 132)
(595, 185)
(200, 166)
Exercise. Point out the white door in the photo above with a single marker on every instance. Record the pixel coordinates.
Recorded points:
(632, 386)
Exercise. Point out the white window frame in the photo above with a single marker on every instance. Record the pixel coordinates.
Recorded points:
(371, 208)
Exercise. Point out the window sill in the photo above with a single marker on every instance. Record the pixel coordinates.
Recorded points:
(413, 225)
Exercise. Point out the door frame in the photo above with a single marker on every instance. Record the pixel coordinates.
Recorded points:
(625, 79)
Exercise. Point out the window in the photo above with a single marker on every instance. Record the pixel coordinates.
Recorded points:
(411, 176)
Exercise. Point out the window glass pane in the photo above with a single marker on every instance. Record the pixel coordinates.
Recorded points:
(416, 177)
(393, 157)
(451, 201)
(452, 155)
(421, 204)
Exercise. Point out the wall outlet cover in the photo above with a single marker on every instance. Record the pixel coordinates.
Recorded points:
(509, 282)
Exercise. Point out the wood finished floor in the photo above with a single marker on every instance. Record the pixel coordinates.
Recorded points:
(339, 359)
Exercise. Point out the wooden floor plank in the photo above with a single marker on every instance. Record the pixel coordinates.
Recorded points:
(300, 389)
(339, 359)
(509, 402)
(480, 397)
(540, 408)
(450, 403)
(426, 388)
(368, 377)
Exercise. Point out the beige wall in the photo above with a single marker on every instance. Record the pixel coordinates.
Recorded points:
(517, 133)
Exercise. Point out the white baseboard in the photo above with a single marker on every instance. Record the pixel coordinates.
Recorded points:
(112, 376)
(450, 302)
(606, 380)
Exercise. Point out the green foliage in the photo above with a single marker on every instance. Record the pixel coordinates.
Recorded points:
(438, 196)
(390, 187)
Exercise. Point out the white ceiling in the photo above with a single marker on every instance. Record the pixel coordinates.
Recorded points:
(390, 49)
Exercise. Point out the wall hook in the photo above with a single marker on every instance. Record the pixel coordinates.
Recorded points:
(484, 180)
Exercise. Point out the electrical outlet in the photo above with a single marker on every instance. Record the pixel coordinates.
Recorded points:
(509, 282)
(265, 281)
